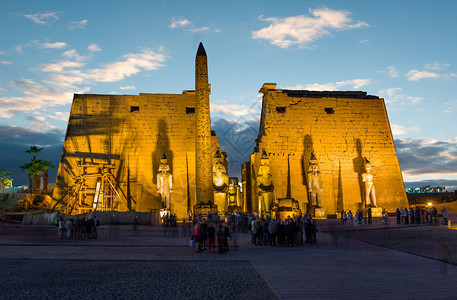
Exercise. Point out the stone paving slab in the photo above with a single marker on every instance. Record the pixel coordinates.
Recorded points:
(79, 279)
(339, 268)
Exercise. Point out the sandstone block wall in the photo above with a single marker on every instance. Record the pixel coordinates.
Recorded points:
(132, 132)
(341, 128)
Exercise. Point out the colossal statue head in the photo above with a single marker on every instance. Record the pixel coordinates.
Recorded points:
(367, 165)
(264, 169)
(219, 172)
(164, 168)
(313, 166)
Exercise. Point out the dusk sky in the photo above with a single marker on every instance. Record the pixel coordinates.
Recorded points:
(403, 51)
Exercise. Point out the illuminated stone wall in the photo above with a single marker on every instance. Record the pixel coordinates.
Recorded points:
(132, 132)
(341, 128)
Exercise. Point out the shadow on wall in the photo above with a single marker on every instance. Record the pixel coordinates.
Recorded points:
(162, 147)
(359, 168)
(309, 148)
(339, 199)
(89, 130)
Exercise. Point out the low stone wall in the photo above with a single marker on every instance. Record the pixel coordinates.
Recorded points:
(24, 202)
(105, 217)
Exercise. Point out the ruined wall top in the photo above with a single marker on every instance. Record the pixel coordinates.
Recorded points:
(270, 87)
(329, 94)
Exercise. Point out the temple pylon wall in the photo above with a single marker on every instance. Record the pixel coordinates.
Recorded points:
(342, 129)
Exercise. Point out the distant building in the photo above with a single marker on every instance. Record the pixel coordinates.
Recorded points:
(426, 189)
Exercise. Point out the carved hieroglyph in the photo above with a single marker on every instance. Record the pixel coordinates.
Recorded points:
(203, 159)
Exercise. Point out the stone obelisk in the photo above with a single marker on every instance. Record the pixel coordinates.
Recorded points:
(203, 157)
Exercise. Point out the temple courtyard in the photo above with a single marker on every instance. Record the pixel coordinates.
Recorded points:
(371, 261)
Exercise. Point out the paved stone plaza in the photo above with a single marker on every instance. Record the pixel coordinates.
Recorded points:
(145, 263)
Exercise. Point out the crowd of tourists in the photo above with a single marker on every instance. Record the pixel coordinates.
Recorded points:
(275, 232)
(79, 228)
(206, 234)
(413, 215)
(361, 217)
(419, 215)
(213, 234)
(169, 220)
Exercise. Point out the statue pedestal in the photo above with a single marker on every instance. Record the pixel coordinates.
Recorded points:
(319, 213)
(220, 199)
(376, 212)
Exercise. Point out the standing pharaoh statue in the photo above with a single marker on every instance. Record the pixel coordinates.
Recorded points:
(231, 195)
(370, 192)
(314, 183)
(265, 187)
(220, 183)
(164, 182)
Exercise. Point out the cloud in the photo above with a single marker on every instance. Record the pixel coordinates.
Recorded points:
(392, 72)
(15, 140)
(302, 30)
(433, 158)
(415, 75)
(4, 62)
(39, 123)
(78, 25)
(130, 87)
(60, 115)
(394, 95)
(187, 25)
(65, 77)
(59, 67)
(450, 106)
(46, 45)
(180, 23)
(2, 52)
(201, 29)
(34, 96)
(436, 66)
(56, 45)
(131, 64)
(398, 129)
(231, 109)
(43, 18)
(332, 86)
(73, 54)
(450, 75)
(93, 48)
(363, 42)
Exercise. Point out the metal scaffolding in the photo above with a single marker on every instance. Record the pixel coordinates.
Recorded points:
(95, 189)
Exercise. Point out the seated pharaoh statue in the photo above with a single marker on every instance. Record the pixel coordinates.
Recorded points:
(370, 192)
(220, 183)
(265, 187)
(314, 183)
(164, 182)
(232, 195)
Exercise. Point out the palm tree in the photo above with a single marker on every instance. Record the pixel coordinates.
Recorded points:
(34, 150)
(5, 179)
(33, 170)
(32, 176)
(44, 165)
